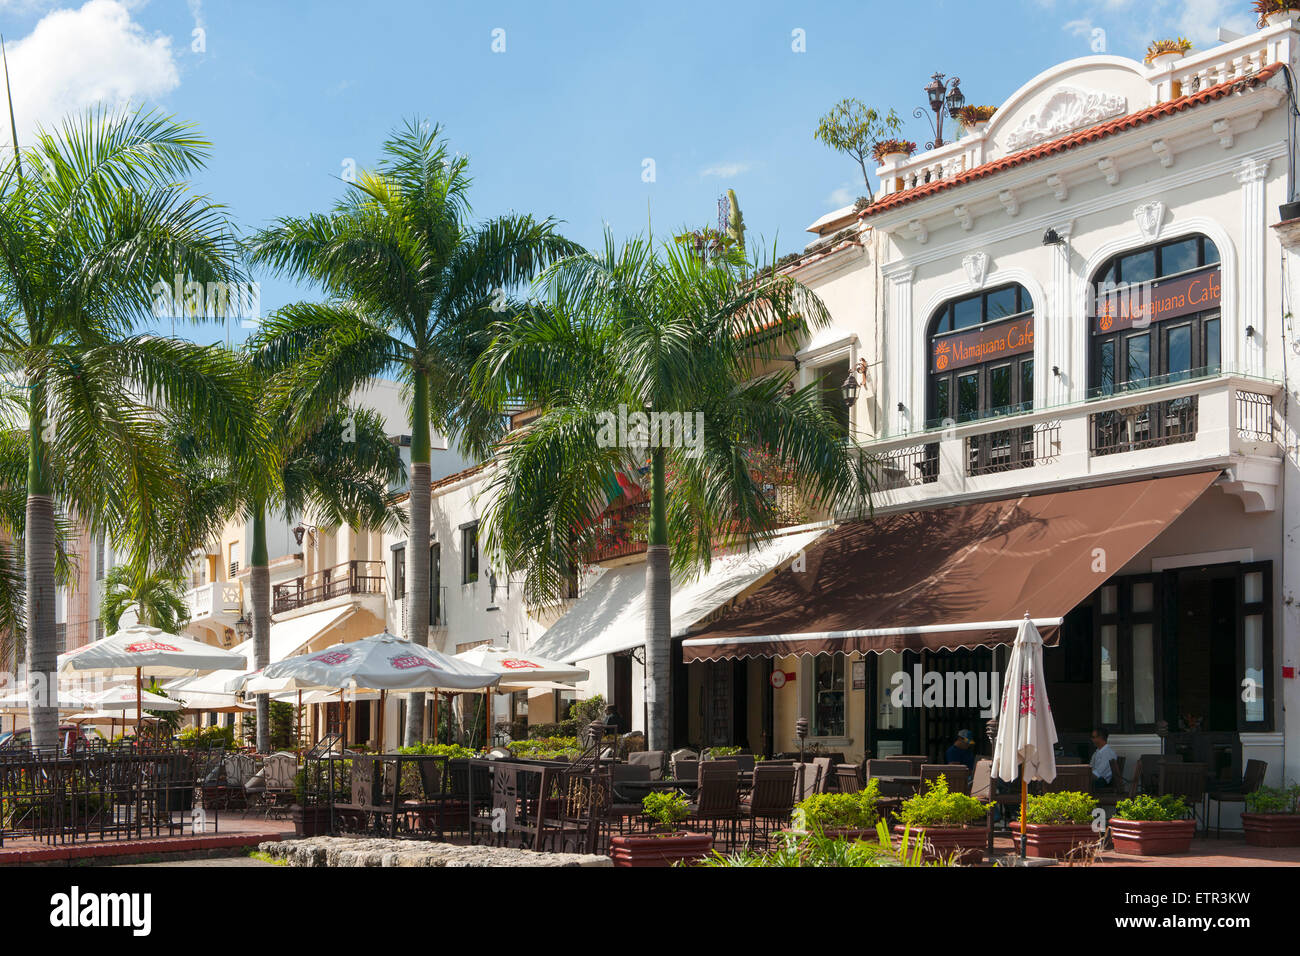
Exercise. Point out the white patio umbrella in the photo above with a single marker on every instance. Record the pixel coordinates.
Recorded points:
(1026, 739)
(517, 670)
(381, 662)
(141, 651)
(125, 697)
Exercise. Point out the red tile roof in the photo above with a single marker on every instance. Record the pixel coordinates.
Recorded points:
(1081, 138)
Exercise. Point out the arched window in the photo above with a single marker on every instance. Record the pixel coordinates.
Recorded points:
(1155, 317)
(981, 356)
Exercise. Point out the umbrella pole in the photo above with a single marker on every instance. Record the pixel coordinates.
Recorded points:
(139, 713)
(381, 719)
(298, 721)
(487, 719)
(435, 717)
(1024, 796)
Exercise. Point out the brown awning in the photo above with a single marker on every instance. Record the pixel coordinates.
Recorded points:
(949, 577)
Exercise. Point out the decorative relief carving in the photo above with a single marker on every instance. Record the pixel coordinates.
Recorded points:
(1066, 110)
(1150, 218)
(977, 268)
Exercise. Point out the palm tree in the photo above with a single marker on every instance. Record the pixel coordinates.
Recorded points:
(629, 329)
(413, 288)
(92, 218)
(157, 597)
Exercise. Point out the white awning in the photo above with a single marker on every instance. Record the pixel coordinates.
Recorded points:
(287, 639)
(610, 615)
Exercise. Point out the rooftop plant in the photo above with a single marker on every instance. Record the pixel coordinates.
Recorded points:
(886, 146)
(970, 115)
(1179, 45)
(1266, 8)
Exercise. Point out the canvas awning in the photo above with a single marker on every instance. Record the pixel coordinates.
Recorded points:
(962, 576)
(610, 615)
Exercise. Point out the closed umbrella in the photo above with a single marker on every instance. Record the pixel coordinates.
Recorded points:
(1026, 737)
(381, 662)
(145, 651)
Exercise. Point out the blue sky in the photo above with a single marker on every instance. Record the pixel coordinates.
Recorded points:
(562, 120)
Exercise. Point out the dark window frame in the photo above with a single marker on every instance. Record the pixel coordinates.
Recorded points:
(469, 554)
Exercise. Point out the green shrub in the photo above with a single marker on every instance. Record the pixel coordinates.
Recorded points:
(720, 753)
(1060, 808)
(667, 808)
(545, 748)
(437, 750)
(1274, 800)
(938, 807)
(816, 849)
(839, 811)
(1148, 807)
(206, 737)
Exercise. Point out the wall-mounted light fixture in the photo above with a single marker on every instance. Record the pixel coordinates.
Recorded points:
(1250, 331)
(1052, 238)
(1056, 370)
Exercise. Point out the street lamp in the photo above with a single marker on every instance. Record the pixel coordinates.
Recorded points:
(244, 627)
(849, 389)
(944, 97)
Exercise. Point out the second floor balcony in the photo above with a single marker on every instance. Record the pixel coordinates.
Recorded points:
(350, 577)
(216, 602)
(1227, 421)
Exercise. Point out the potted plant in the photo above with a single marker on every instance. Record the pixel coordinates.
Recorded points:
(1272, 816)
(309, 820)
(946, 821)
(1161, 52)
(1152, 826)
(1056, 823)
(665, 845)
(975, 118)
(1273, 12)
(890, 151)
(841, 816)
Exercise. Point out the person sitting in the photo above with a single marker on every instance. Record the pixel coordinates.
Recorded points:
(962, 750)
(1103, 759)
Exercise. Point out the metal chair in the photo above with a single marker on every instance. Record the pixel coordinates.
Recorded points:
(848, 777)
(956, 775)
(654, 759)
(1186, 780)
(1251, 781)
(771, 800)
(1075, 777)
(718, 798)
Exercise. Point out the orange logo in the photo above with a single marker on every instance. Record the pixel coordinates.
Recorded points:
(941, 356)
(1106, 322)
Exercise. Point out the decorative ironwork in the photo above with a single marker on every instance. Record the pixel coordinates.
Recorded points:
(1136, 427)
(904, 467)
(350, 577)
(1013, 448)
(1255, 417)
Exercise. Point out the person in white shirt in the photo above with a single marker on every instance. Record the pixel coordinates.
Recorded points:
(1102, 759)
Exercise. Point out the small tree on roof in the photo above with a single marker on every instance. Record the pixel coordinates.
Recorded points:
(853, 128)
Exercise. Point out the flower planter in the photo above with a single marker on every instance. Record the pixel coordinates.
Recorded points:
(1152, 837)
(1053, 840)
(963, 844)
(660, 850)
(1164, 59)
(851, 834)
(1271, 829)
(891, 159)
(1282, 16)
(979, 127)
(310, 821)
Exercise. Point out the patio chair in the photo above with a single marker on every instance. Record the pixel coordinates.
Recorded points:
(654, 759)
(717, 801)
(1187, 780)
(807, 780)
(1251, 781)
(957, 776)
(1147, 773)
(893, 790)
(279, 771)
(1070, 777)
(825, 772)
(848, 777)
(771, 800)
(685, 769)
(915, 761)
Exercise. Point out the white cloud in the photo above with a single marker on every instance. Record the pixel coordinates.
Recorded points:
(73, 59)
(845, 195)
(1130, 25)
(725, 170)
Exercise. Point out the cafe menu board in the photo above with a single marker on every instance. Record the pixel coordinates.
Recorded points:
(983, 344)
(1141, 304)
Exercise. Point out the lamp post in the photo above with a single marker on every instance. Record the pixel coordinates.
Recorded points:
(945, 96)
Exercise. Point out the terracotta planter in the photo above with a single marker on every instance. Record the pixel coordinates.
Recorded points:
(964, 844)
(1271, 829)
(851, 834)
(1152, 837)
(660, 850)
(1053, 840)
(310, 821)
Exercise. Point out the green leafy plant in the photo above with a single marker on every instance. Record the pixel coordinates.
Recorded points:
(1274, 800)
(851, 127)
(968, 116)
(668, 809)
(1148, 807)
(1179, 45)
(546, 748)
(818, 850)
(839, 811)
(886, 146)
(437, 750)
(1069, 807)
(208, 737)
(721, 753)
(939, 807)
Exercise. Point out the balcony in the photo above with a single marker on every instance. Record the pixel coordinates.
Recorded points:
(217, 602)
(1228, 422)
(350, 577)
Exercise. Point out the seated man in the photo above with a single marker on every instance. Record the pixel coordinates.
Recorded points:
(1102, 759)
(962, 750)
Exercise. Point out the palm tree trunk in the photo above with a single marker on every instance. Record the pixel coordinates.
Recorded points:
(42, 653)
(259, 583)
(658, 615)
(417, 547)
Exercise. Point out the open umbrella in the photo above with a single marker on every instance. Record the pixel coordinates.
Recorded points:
(516, 669)
(142, 651)
(125, 697)
(1026, 737)
(381, 662)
